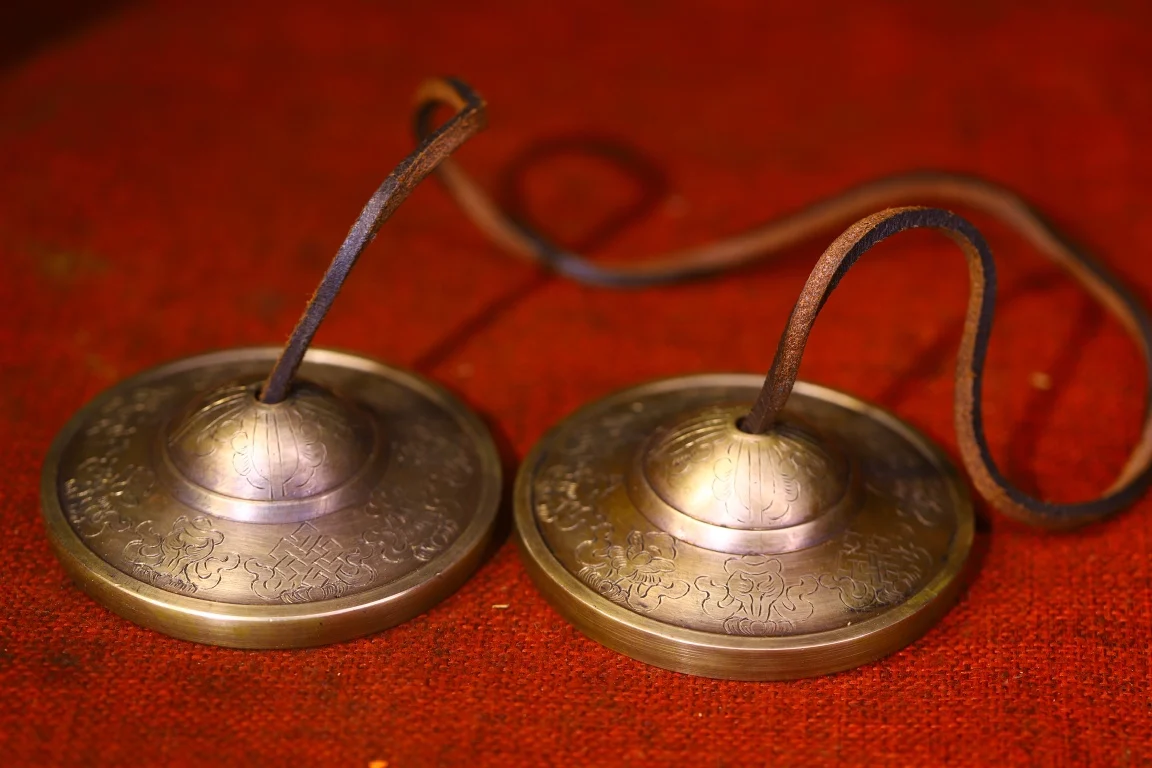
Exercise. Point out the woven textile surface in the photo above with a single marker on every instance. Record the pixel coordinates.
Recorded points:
(174, 178)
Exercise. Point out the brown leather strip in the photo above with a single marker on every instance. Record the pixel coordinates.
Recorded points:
(777, 236)
(469, 119)
(835, 263)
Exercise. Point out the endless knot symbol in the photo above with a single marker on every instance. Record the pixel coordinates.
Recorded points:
(307, 566)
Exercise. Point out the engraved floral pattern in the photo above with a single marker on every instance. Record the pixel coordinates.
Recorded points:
(917, 488)
(186, 559)
(568, 494)
(416, 517)
(102, 490)
(410, 524)
(918, 498)
(105, 487)
(569, 497)
(441, 461)
(876, 571)
(876, 559)
(120, 417)
(639, 574)
(756, 599)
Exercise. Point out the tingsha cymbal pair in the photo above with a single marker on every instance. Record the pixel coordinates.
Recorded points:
(706, 524)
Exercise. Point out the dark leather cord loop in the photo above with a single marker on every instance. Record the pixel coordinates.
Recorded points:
(468, 120)
(777, 236)
(835, 263)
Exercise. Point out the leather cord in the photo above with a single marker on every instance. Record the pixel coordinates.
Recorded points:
(969, 421)
(769, 239)
(468, 120)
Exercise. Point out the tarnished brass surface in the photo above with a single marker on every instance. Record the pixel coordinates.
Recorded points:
(660, 529)
(264, 498)
(704, 480)
(312, 454)
(180, 501)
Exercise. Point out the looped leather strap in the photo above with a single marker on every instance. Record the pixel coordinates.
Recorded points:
(777, 236)
(835, 263)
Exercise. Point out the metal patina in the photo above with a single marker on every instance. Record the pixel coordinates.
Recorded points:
(759, 530)
(659, 528)
(715, 524)
(183, 503)
(260, 498)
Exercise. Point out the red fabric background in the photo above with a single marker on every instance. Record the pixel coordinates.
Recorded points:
(174, 178)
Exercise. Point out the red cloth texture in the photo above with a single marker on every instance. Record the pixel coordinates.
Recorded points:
(174, 178)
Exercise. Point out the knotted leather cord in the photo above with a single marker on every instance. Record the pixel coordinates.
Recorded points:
(468, 120)
(776, 236)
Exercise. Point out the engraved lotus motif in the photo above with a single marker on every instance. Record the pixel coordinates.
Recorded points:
(410, 523)
(639, 574)
(234, 445)
(101, 491)
(756, 599)
(567, 497)
(707, 468)
(120, 419)
(185, 559)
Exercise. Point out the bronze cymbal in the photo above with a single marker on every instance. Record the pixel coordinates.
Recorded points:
(260, 498)
(660, 529)
(761, 530)
(180, 501)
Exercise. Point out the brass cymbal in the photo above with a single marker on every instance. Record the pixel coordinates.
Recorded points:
(180, 501)
(763, 530)
(659, 528)
(264, 498)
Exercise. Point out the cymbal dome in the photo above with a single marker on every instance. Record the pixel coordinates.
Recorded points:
(230, 443)
(704, 466)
